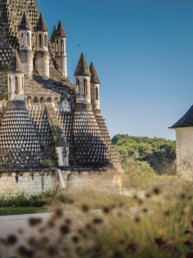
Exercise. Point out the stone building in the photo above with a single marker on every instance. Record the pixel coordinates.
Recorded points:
(184, 145)
(48, 125)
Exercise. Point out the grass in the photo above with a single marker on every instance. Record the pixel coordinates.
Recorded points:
(23, 210)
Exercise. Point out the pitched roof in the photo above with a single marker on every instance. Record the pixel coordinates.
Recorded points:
(25, 23)
(15, 64)
(185, 121)
(60, 30)
(41, 25)
(94, 76)
(82, 67)
(52, 39)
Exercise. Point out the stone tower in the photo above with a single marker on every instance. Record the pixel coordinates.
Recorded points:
(15, 79)
(60, 50)
(82, 78)
(42, 58)
(25, 45)
(95, 89)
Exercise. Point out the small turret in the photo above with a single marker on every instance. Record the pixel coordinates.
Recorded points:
(15, 77)
(60, 50)
(42, 59)
(82, 77)
(95, 89)
(25, 45)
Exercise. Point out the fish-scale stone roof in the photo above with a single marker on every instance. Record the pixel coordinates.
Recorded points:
(19, 144)
(185, 121)
(25, 23)
(94, 76)
(82, 67)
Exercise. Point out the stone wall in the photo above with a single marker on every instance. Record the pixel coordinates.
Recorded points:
(184, 152)
(28, 182)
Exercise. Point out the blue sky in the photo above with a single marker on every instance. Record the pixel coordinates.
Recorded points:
(143, 53)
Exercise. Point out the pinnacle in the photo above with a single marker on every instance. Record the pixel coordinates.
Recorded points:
(41, 25)
(52, 39)
(15, 64)
(25, 24)
(94, 76)
(82, 67)
(60, 30)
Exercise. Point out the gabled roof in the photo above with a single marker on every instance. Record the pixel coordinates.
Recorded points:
(60, 30)
(41, 25)
(15, 64)
(52, 39)
(94, 76)
(25, 23)
(185, 121)
(82, 67)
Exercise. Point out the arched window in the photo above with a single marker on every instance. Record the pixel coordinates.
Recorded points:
(40, 40)
(16, 85)
(28, 40)
(22, 40)
(62, 46)
(97, 94)
(85, 86)
(45, 40)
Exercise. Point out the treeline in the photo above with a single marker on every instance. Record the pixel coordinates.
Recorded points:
(158, 153)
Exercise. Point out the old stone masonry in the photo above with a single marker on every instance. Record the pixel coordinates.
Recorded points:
(49, 127)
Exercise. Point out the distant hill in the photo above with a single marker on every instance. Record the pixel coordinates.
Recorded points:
(159, 153)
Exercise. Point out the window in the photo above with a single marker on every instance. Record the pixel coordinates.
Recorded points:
(16, 85)
(9, 84)
(28, 40)
(62, 46)
(46, 40)
(40, 40)
(85, 86)
(97, 94)
(22, 40)
(57, 46)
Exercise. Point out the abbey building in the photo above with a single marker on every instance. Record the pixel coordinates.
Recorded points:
(47, 122)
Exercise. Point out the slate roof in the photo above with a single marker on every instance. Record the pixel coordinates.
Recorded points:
(25, 24)
(94, 76)
(60, 30)
(15, 64)
(82, 67)
(185, 121)
(41, 25)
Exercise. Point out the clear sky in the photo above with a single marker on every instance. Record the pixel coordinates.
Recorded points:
(143, 53)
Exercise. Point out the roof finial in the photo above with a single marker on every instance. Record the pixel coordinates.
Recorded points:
(94, 76)
(25, 23)
(15, 64)
(41, 25)
(60, 30)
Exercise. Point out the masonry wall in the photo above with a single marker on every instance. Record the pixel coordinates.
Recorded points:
(184, 152)
(27, 182)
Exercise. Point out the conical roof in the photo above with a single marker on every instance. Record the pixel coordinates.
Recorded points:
(19, 143)
(15, 64)
(53, 36)
(60, 30)
(82, 67)
(41, 25)
(25, 23)
(185, 121)
(94, 76)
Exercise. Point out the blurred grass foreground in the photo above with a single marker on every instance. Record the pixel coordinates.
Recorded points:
(152, 218)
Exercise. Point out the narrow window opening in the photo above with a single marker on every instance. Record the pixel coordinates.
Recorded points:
(16, 85)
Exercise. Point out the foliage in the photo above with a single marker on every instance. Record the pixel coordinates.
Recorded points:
(157, 152)
(24, 200)
(158, 225)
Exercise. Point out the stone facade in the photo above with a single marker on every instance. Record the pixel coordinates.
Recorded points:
(46, 121)
(184, 143)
